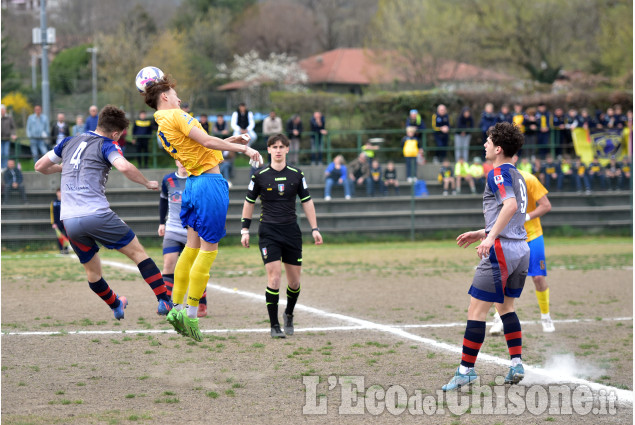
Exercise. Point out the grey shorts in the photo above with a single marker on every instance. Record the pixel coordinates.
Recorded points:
(503, 273)
(106, 228)
(173, 242)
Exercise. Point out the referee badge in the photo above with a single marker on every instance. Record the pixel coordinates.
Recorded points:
(281, 188)
(264, 253)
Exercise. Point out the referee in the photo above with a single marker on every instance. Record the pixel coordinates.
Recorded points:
(280, 239)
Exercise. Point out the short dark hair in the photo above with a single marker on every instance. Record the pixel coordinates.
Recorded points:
(112, 119)
(508, 137)
(155, 90)
(278, 138)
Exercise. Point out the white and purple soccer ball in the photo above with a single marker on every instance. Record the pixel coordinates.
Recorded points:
(149, 74)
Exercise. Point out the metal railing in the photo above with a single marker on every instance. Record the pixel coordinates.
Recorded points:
(346, 142)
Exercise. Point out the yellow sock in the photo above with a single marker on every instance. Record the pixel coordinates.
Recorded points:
(543, 300)
(182, 274)
(199, 275)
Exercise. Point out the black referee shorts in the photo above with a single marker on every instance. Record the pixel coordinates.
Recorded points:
(280, 242)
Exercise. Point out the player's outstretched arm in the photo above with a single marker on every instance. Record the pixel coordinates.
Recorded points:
(132, 173)
(232, 144)
(309, 211)
(45, 166)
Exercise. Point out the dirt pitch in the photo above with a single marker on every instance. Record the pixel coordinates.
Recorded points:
(376, 312)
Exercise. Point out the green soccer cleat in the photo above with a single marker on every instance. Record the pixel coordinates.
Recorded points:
(191, 326)
(174, 320)
(515, 374)
(459, 380)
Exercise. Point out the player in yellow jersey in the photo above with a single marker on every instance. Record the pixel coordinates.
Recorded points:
(204, 201)
(537, 205)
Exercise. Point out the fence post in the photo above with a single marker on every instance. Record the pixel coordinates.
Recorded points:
(153, 141)
(412, 212)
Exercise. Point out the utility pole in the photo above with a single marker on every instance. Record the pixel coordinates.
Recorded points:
(46, 100)
(33, 71)
(94, 51)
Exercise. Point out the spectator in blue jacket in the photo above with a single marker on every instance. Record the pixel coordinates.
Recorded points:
(505, 115)
(336, 173)
(415, 120)
(37, 130)
(441, 127)
(544, 123)
(93, 117)
(488, 120)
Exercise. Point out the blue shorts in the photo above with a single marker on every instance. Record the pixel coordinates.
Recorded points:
(204, 206)
(537, 261)
(107, 229)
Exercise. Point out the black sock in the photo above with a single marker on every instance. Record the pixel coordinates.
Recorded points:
(292, 298)
(102, 289)
(472, 342)
(513, 334)
(151, 274)
(271, 297)
(169, 283)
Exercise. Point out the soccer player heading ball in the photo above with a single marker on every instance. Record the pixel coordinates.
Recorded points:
(500, 275)
(205, 199)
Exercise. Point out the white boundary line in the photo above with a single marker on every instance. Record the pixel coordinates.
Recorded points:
(623, 396)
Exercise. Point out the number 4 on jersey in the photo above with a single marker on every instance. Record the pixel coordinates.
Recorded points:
(76, 158)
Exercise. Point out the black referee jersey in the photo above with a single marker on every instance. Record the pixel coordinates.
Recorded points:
(277, 191)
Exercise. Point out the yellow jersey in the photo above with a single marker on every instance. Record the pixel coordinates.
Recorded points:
(174, 127)
(535, 191)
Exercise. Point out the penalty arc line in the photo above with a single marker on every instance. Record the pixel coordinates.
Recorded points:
(624, 396)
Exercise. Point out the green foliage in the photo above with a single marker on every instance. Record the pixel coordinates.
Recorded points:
(10, 78)
(616, 39)
(69, 67)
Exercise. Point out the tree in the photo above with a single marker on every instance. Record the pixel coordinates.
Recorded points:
(277, 72)
(277, 27)
(69, 68)
(412, 37)
(342, 23)
(121, 56)
(10, 78)
(615, 39)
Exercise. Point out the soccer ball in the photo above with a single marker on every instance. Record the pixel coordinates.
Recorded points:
(147, 75)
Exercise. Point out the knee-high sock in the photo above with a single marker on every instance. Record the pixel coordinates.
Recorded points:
(543, 300)
(199, 275)
(182, 273)
(472, 341)
(271, 297)
(513, 334)
(169, 283)
(104, 292)
(151, 274)
(292, 298)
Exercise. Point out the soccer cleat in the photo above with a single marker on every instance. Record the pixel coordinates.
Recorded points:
(164, 307)
(174, 320)
(191, 326)
(497, 325)
(459, 380)
(276, 332)
(202, 310)
(547, 325)
(288, 324)
(119, 311)
(515, 374)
